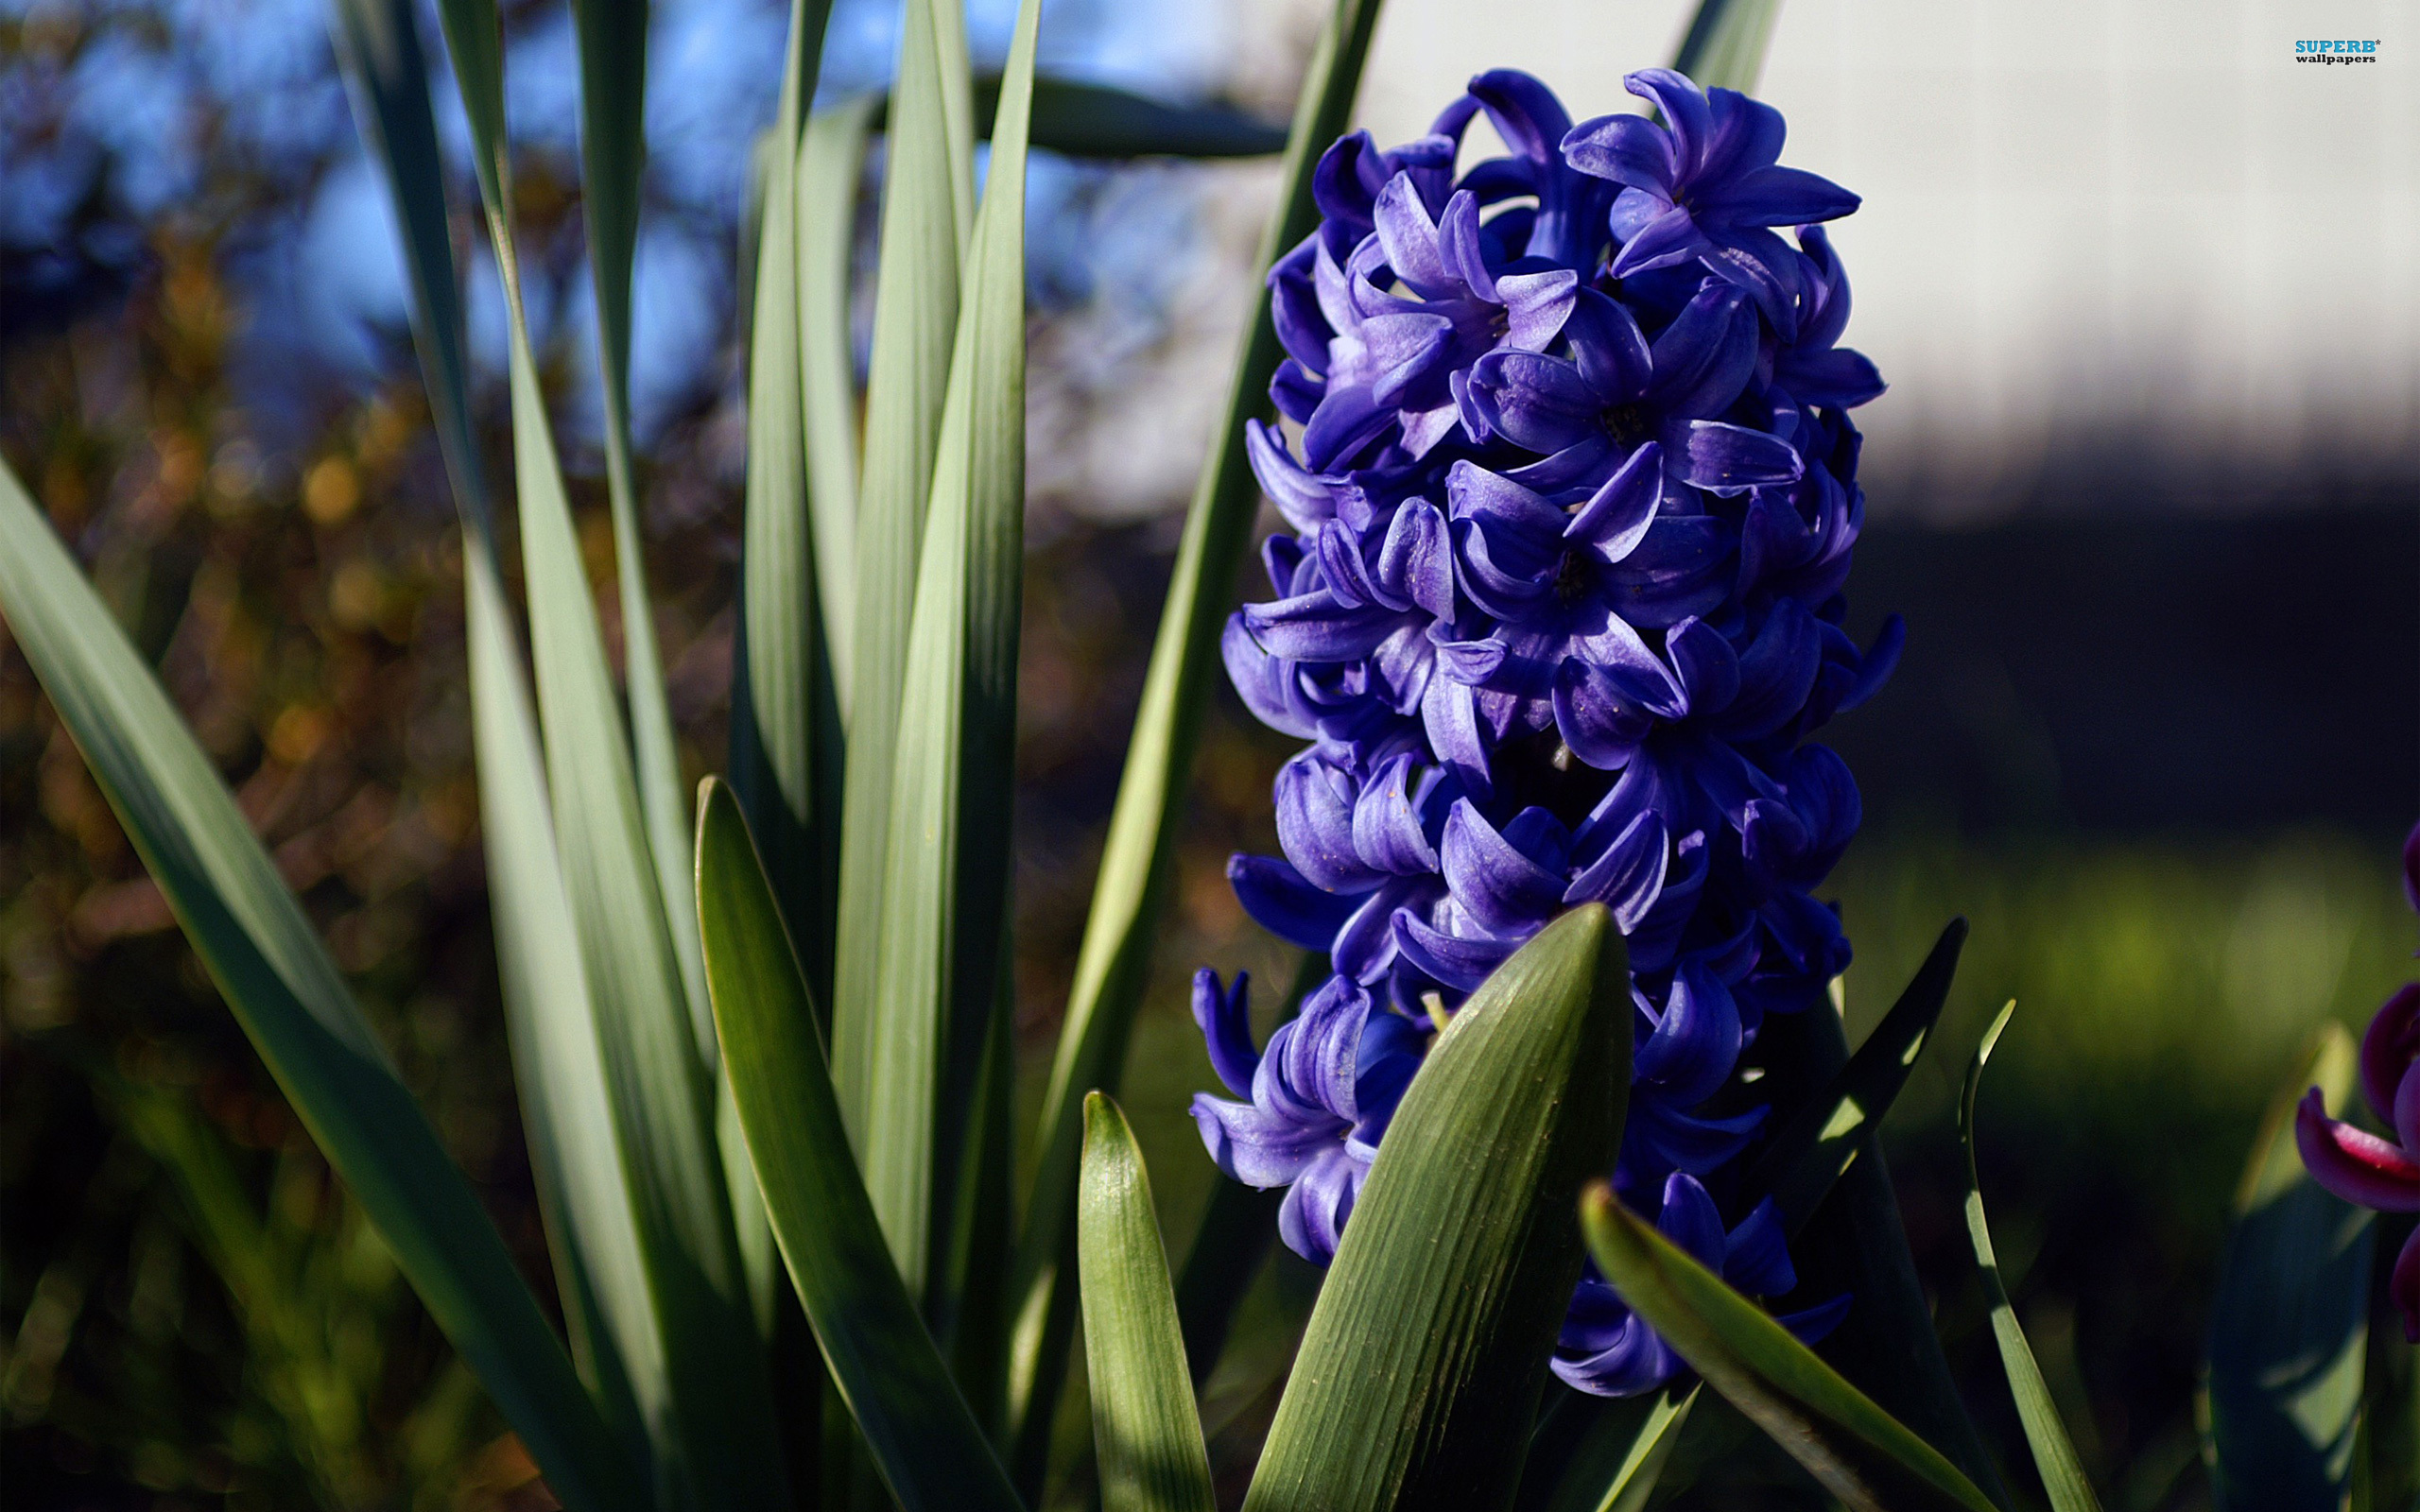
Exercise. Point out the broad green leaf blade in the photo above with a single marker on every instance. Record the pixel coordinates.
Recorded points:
(945, 887)
(2289, 1322)
(1146, 1432)
(932, 1455)
(1810, 1149)
(915, 322)
(1725, 47)
(831, 158)
(721, 1439)
(278, 980)
(2054, 1453)
(1131, 889)
(1421, 1365)
(1860, 1453)
(567, 1115)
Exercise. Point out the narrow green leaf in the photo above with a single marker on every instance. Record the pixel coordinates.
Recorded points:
(924, 1439)
(1079, 119)
(277, 978)
(613, 111)
(786, 750)
(946, 887)
(2386, 1455)
(1860, 1453)
(575, 1150)
(721, 1440)
(1145, 1430)
(2290, 1321)
(1857, 1242)
(915, 321)
(2054, 1453)
(1426, 1354)
(831, 157)
(1620, 1455)
(1809, 1149)
(1726, 43)
(1114, 964)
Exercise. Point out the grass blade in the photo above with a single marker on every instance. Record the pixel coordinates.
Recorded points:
(831, 157)
(923, 1438)
(1860, 1453)
(2290, 1318)
(915, 320)
(575, 1150)
(1130, 889)
(1145, 1429)
(1420, 1369)
(1725, 45)
(1808, 1151)
(2054, 1453)
(946, 884)
(720, 1441)
(277, 978)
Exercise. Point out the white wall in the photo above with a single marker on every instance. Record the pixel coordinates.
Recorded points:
(2093, 228)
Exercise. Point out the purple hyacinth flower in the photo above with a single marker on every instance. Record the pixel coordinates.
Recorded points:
(1569, 484)
(1319, 1099)
(1605, 1350)
(1706, 184)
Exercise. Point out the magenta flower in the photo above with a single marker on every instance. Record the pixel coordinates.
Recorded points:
(2361, 1167)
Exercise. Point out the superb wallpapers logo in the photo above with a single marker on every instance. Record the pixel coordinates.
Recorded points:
(2357, 51)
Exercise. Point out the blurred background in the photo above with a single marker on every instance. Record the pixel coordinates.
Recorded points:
(2146, 487)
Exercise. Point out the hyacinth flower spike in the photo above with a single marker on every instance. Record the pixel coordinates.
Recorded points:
(2358, 1166)
(1570, 495)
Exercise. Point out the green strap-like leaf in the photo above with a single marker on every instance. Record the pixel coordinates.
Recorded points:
(613, 111)
(925, 1440)
(277, 978)
(2289, 1324)
(1421, 1365)
(565, 1111)
(1726, 44)
(1810, 1149)
(945, 888)
(721, 1440)
(831, 156)
(915, 322)
(1131, 889)
(785, 742)
(1860, 1453)
(1146, 1432)
(2054, 1453)
(2386, 1453)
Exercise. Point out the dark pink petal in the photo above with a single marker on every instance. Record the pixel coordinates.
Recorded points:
(2359, 1167)
(2388, 1048)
